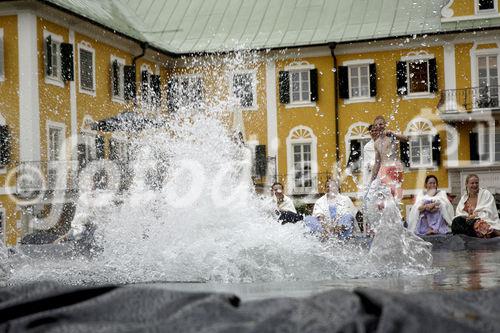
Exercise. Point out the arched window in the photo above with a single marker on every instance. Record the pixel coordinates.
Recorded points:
(423, 143)
(356, 138)
(301, 157)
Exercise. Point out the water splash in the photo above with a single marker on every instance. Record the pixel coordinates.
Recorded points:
(208, 224)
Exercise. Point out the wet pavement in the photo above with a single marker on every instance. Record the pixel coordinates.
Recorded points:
(453, 271)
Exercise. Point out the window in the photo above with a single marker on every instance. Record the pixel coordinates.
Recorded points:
(486, 6)
(302, 165)
(118, 150)
(423, 143)
(302, 161)
(86, 149)
(52, 57)
(55, 143)
(2, 65)
(487, 91)
(55, 152)
(420, 150)
(117, 79)
(488, 144)
(416, 75)
(359, 82)
(244, 89)
(87, 68)
(146, 85)
(299, 86)
(356, 138)
(186, 91)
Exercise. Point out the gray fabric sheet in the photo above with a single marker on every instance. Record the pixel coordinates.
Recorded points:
(49, 307)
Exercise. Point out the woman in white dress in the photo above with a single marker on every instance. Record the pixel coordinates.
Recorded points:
(432, 212)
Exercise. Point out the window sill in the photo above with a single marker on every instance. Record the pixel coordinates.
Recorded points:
(53, 81)
(360, 100)
(118, 100)
(419, 95)
(423, 167)
(300, 105)
(87, 92)
(250, 108)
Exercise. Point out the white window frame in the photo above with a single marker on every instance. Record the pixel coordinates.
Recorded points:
(2, 57)
(357, 131)
(299, 67)
(121, 79)
(83, 45)
(253, 74)
(55, 164)
(54, 80)
(494, 10)
(299, 135)
(358, 63)
(190, 77)
(419, 127)
(412, 57)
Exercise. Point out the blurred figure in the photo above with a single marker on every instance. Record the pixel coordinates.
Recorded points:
(369, 157)
(335, 213)
(432, 212)
(388, 165)
(284, 206)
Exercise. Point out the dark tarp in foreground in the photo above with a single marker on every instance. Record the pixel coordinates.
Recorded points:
(49, 307)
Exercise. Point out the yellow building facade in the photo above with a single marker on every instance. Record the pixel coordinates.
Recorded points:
(305, 111)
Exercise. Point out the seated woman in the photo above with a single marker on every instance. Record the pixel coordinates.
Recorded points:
(335, 213)
(432, 212)
(285, 209)
(477, 214)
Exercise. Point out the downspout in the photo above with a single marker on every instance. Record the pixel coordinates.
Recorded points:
(335, 104)
(143, 46)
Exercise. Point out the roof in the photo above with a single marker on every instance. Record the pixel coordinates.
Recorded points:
(187, 26)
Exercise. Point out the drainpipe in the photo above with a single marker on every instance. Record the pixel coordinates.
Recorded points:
(336, 104)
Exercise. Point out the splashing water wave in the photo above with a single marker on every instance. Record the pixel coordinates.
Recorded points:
(203, 222)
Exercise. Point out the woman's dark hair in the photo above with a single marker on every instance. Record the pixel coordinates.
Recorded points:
(463, 226)
(370, 127)
(277, 183)
(429, 177)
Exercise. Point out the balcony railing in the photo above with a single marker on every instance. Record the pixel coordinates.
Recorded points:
(469, 99)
